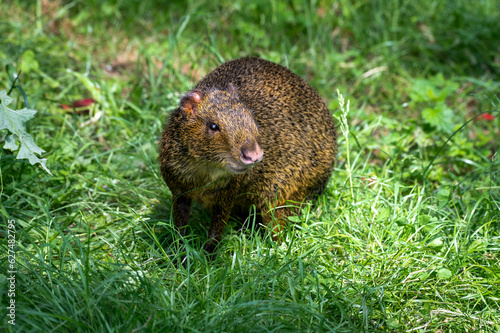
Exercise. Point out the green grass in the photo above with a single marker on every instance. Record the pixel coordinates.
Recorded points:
(406, 237)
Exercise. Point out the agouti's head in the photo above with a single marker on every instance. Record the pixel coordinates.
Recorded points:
(222, 135)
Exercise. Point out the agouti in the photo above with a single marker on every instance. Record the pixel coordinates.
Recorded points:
(250, 133)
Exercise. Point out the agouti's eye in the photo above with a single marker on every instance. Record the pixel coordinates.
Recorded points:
(213, 127)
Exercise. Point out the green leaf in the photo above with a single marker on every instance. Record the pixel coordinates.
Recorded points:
(444, 93)
(431, 93)
(439, 116)
(443, 197)
(13, 120)
(294, 219)
(432, 116)
(444, 273)
(419, 92)
(443, 194)
(436, 244)
(383, 214)
(28, 63)
(10, 143)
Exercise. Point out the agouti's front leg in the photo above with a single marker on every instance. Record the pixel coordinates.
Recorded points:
(220, 216)
(223, 203)
(182, 211)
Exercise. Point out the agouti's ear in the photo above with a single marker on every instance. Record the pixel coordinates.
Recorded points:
(190, 101)
(233, 91)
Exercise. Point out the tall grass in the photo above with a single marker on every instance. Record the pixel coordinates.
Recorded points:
(381, 249)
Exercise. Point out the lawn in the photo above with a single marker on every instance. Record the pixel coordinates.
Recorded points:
(405, 238)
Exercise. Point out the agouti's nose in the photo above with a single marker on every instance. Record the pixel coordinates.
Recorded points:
(249, 156)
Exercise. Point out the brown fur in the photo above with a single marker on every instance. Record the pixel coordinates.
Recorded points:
(258, 106)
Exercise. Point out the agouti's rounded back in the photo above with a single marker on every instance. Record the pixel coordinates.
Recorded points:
(250, 133)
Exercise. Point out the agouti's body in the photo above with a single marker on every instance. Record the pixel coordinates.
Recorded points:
(250, 133)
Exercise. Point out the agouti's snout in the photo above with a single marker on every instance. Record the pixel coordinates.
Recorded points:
(251, 155)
